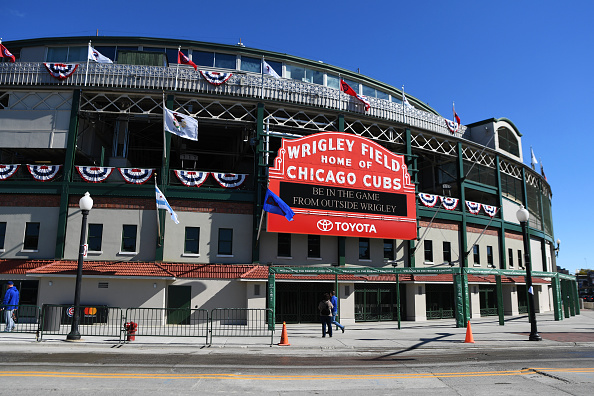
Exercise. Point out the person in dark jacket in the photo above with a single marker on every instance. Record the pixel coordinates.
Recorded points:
(325, 308)
(9, 304)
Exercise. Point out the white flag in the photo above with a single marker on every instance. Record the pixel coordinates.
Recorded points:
(163, 204)
(534, 161)
(180, 124)
(269, 70)
(97, 56)
(407, 105)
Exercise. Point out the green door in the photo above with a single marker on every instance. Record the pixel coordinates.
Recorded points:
(179, 299)
(522, 299)
(488, 300)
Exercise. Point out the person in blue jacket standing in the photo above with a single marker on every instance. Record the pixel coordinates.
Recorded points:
(334, 301)
(9, 304)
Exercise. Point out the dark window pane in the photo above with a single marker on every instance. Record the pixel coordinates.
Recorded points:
(447, 252)
(251, 64)
(476, 254)
(192, 240)
(110, 52)
(364, 248)
(31, 236)
(510, 253)
(129, 238)
(313, 246)
(225, 241)
(225, 61)
(2, 234)
(203, 58)
(95, 237)
(284, 245)
(389, 249)
(490, 255)
(428, 251)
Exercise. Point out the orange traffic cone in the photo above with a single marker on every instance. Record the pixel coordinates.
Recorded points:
(469, 338)
(284, 341)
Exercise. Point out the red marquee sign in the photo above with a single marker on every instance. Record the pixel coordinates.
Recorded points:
(344, 185)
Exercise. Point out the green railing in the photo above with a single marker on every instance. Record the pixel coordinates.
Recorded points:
(240, 322)
(440, 314)
(26, 318)
(95, 320)
(489, 312)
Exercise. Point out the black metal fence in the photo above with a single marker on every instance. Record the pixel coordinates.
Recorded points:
(240, 322)
(126, 325)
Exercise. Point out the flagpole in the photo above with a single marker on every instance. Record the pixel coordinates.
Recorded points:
(177, 69)
(158, 221)
(164, 137)
(260, 226)
(262, 93)
(403, 107)
(87, 72)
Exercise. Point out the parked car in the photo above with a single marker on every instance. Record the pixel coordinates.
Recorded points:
(589, 298)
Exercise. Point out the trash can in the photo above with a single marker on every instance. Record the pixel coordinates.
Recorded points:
(51, 318)
(131, 328)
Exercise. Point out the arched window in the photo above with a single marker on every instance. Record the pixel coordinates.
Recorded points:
(508, 141)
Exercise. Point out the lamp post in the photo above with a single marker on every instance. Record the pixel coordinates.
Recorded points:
(523, 215)
(85, 203)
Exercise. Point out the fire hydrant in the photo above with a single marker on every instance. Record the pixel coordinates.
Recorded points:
(131, 328)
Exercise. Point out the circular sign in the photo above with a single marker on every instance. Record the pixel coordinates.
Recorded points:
(325, 225)
(70, 311)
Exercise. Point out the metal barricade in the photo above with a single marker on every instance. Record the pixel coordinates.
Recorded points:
(166, 322)
(26, 318)
(95, 320)
(240, 322)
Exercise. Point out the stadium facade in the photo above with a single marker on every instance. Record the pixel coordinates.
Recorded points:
(404, 212)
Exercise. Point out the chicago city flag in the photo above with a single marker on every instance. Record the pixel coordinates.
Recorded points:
(180, 124)
(163, 204)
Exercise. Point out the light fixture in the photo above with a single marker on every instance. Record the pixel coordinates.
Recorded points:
(558, 247)
(50, 283)
(154, 285)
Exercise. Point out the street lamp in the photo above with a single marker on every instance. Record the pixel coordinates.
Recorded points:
(523, 215)
(85, 203)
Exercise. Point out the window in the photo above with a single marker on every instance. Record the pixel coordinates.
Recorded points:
(510, 253)
(507, 141)
(490, 256)
(284, 245)
(129, 238)
(477, 254)
(31, 236)
(447, 252)
(389, 249)
(332, 81)
(225, 241)
(225, 61)
(2, 235)
(364, 249)
(192, 240)
(313, 246)
(95, 236)
(67, 54)
(520, 262)
(428, 245)
(202, 58)
(251, 64)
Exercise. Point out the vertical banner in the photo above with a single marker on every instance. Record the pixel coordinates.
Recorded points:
(342, 184)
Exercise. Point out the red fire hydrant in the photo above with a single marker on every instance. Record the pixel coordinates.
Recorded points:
(131, 328)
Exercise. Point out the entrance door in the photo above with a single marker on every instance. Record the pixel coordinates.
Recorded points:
(522, 299)
(488, 300)
(179, 299)
(298, 302)
(377, 302)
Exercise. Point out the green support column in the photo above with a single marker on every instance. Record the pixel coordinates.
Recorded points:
(341, 240)
(463, 239)
(398, 298)
(411, 162)
(163, 181)
(571, 295)
(271, 300)
(500, 300)
(565, 297)
(460, 290)
(502, 247)
(557, 297)
(576, 297)
(67, 172)
(261, 181)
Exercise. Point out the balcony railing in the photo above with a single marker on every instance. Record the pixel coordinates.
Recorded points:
(241, 84)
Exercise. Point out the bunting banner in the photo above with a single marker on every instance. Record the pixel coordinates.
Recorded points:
(428, 199)
(229, 180)
(490, 210)
(136, 175)
(7, 170)
(453, 126)
(61, 71)
(449, 203)
(473, 207)
(94, 174)
(191, 178)
(44, 172)
(215, 78)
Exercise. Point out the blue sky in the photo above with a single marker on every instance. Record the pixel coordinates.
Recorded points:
(524, 60)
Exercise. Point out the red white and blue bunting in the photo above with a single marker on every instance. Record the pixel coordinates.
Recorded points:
(7, 170)
(94, 174)
(44, 172)
(490, 210)
(215, 78)
(191, 178)
(428, 199)
(136, 175)
(229, 180)
(473, 207)
(449, 203)
(61, 71)
(453, 126)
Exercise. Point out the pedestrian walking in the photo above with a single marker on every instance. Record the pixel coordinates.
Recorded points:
(325, 308)
(334, 301)
(10, 303)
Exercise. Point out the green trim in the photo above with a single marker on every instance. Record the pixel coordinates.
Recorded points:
(261, 183)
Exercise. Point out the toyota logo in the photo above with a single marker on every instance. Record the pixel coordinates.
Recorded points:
(324, 225)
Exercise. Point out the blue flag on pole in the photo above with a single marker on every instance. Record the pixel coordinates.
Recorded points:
(163, 204)
(273, 204)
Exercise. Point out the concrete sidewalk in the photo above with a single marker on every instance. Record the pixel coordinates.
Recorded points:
(360, 337)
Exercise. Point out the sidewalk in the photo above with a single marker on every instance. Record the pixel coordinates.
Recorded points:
(361, 337)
